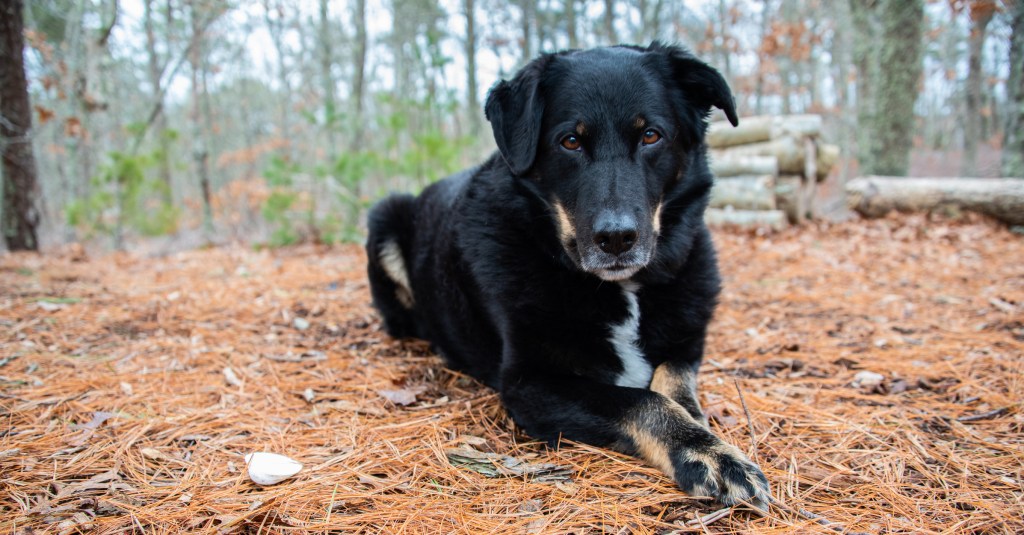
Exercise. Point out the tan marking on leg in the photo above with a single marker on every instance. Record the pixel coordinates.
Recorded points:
(657, 219)
(656, 450)
(676, 384)
(566, 230)
(666, 381)
(651, 448)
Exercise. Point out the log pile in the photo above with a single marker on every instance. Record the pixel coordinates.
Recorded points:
(766, 169)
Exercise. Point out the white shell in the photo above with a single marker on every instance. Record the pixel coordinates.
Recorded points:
(868, 379)
(269, 468)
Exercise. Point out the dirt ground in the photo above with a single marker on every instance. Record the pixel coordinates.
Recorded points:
(872, 368)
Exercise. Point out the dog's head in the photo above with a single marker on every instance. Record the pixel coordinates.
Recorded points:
(607, 137)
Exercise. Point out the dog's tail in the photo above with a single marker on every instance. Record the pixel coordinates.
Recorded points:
(388, 248)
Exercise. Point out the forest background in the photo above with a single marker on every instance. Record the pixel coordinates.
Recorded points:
(190, 122)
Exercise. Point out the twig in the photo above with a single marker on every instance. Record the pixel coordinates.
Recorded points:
(709, 518)
(750, 423)
(985, 415)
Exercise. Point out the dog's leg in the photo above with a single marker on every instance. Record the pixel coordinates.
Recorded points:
(678, 382)
(639, 422)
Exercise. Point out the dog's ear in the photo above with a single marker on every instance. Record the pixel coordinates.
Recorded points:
(515, 109)
(699, 81)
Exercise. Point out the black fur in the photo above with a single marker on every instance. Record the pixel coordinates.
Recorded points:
(504, 291)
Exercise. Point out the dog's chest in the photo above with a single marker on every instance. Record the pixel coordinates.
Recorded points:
(624, 337)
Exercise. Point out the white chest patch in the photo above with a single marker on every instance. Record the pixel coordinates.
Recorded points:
(625, 338)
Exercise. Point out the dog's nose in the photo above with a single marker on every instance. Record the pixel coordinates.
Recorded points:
(615, 235)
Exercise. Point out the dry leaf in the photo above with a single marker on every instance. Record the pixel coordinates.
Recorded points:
(402, 396)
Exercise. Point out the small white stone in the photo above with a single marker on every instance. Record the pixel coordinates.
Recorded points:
(270, 468)
(868, 379)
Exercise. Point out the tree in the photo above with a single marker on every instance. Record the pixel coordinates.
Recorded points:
(980, 13)
(888, 56)
(609, 22)
(20, 215)
(155, 72)
(359, 53)
(1013, 144)
(472, 95)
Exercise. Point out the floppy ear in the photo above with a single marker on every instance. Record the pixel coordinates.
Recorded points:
(515, 109)
(699, 81)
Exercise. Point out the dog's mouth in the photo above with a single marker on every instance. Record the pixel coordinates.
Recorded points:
(617, 272)
(612, 268)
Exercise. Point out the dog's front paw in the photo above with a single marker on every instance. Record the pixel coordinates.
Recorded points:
(722, 472)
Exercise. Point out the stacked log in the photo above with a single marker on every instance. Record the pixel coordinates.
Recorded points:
(768, 163)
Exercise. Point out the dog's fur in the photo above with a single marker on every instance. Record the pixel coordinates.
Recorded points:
(572, 271)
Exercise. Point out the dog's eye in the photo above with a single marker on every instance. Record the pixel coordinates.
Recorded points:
(571, 142)
(651, 136)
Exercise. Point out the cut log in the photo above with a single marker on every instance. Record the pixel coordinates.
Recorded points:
(724, 164)
(1001, 198)
(787, 151)
(760, 128)
(748, 192)
(790, 198)
(773, 219)
(828, 157)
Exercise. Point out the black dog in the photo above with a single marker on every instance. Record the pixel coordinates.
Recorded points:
(572, 272)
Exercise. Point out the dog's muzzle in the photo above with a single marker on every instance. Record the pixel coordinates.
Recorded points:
(618, 246)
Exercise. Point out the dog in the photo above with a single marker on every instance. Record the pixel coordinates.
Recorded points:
(572, 271)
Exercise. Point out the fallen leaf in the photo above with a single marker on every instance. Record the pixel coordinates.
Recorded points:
(497, 465)
(402, 396)
(155, 454)
(98, 418)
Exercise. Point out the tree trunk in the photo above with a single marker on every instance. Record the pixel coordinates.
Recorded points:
(609, 22)
(570, 23)
(200, 151)
(359, 80)
(864, 16)
(761, 55)
(897, 87)
(1001, 198)
(472, 94)
(1013, 142)
(19, 213)
(277, 28)
(327, 79)
(527, 10)
(155, 70)
(981, 14)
